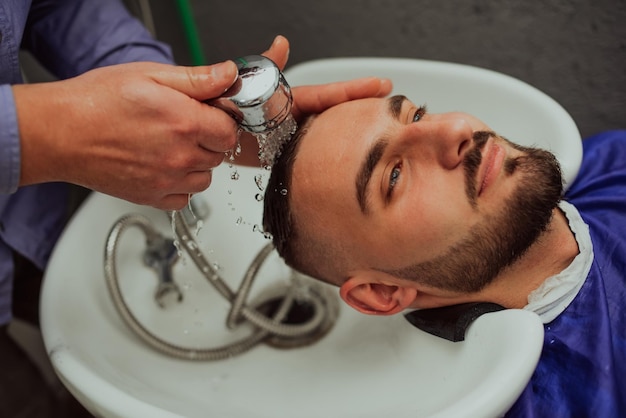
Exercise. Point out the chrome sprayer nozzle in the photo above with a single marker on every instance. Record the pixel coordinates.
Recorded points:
(260, 99)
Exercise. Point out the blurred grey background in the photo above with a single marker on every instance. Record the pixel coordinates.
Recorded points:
(573, 50)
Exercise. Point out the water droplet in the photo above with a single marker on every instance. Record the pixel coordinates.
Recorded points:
(258, 179)
(199, 226)
(283, 192)
(179, 250)
(259, 197)
(239, 220)
(259, 228)
(234, 175)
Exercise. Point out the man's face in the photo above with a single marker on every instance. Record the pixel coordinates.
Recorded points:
(392, 188)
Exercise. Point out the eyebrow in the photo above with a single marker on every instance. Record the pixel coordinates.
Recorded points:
(373, 156)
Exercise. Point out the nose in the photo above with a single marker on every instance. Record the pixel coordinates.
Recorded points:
(449, 138)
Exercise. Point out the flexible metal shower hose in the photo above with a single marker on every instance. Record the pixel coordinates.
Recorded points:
(265, 326)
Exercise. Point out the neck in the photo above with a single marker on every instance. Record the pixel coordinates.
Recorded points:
(553, 252)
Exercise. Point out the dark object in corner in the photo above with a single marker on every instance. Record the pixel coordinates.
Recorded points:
(450, 322)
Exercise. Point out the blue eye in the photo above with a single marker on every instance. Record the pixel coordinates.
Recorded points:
(419, 113)
(394, 176)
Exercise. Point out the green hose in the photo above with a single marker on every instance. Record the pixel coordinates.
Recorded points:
(191, 32)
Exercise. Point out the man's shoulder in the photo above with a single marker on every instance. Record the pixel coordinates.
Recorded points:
(603, 165)
(608, 145)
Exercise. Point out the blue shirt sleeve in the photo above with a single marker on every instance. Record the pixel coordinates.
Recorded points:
(10, 142)
(70, 37)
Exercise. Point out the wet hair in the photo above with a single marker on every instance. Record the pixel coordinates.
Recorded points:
(278, 217)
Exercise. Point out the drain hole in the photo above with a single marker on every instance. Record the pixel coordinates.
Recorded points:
(300, 312)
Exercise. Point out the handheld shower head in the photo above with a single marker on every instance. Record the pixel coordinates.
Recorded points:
(260, 101)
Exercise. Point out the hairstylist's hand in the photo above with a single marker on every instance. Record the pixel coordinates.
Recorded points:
(316, 99)
(137, 131)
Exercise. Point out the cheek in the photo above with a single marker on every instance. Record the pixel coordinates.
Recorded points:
(433, 220)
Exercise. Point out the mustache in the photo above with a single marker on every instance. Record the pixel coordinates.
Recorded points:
(472, 161)
(480, 138)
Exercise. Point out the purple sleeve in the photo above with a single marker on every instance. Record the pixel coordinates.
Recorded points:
(70, 37)
(9, 138)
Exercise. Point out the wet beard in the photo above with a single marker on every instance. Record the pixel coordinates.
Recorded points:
(498, 241)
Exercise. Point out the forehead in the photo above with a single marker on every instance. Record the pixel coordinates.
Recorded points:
(329, 156)
(338, 134)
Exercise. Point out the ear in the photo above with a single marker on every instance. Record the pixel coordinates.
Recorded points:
(373, 296)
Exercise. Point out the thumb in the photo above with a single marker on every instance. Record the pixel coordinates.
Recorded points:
(201, 82)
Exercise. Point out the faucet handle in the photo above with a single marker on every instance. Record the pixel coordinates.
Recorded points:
(161, 255)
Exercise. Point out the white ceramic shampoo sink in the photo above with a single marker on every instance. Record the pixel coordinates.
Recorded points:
(364, 367)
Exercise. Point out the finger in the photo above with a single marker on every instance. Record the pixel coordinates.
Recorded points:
(278, 51)
(218, 130)
(202, 82)
(173, 202)
(195, 182)
(208, 160)
(316, 99)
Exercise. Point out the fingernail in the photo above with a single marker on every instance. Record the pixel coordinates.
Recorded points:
(281, 38)
(385, 86)
(226, 69)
